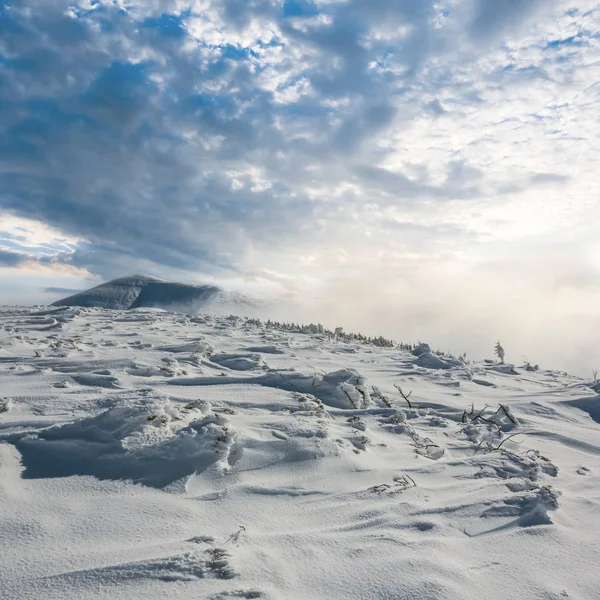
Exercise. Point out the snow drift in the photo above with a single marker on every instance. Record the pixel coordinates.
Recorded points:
(153, 441)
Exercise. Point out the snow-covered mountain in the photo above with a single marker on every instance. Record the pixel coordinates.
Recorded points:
(143, 291)
(147, 454)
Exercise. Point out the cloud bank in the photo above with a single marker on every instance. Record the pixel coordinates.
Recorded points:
(422, 166)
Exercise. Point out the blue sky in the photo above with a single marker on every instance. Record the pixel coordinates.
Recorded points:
(430, 167)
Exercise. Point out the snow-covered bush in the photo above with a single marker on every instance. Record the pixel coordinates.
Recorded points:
(421, 348)
(499, 352)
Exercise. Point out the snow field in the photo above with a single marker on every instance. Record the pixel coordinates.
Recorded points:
(146, 454)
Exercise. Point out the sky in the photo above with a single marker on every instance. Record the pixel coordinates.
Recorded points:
(424, 169)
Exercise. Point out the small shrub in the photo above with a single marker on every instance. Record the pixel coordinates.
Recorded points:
(499, 351)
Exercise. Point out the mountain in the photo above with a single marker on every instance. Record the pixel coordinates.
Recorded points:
(143, 291)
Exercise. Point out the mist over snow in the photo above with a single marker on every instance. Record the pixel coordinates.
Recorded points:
(423, 170)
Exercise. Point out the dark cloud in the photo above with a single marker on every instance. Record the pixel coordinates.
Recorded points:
(61, 290)
(435, 106)
(460, 182)
(491, 18)
(542, 178)
(11, 259)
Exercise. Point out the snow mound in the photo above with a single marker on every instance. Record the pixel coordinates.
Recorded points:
(151, 441)
(340, 389)
(265, 349)
(504, 368)
(344, 389)
(421, 349)
(238, 362)
(199, 347)
(590, 405)
(530, 507)
(428, 360)
(97, 380)
(211, 563)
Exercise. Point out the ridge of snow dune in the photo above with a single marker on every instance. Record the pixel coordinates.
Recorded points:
(146, 454)
(589, 405)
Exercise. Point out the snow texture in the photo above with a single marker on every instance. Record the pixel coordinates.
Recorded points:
(146, 454)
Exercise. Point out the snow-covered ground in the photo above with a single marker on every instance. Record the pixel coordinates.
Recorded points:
(146, 454)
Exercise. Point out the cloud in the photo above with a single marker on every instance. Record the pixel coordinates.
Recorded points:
(11, 259)
(62, 291)
(251, 141)
(491, 18)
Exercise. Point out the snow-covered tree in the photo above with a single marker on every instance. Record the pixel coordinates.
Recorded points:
(499, 352)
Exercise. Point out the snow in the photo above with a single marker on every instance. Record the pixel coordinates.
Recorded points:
(149, 454)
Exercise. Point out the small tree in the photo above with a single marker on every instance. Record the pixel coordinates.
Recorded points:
(499, 352)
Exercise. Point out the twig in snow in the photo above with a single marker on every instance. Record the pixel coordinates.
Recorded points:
(377, 394)
(507, 413)
(405, 396)
(492, 449)
(351, 401)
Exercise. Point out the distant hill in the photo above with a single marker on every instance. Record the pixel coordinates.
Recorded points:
(143, 291)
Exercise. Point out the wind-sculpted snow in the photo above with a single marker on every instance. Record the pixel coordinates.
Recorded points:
(341, 389)
(149, 441)
(237, 362)
(431, 361)
(589, 405)
(146, 454)
(265, 349)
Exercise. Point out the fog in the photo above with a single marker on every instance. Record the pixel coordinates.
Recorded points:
(543, 309)
(459, 309)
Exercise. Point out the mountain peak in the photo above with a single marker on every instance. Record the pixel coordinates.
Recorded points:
(138, 291)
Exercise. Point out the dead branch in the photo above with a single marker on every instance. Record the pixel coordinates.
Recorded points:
(507, 413)
(364, 396)
(377, 394)
(492, 449)
(405, 396)
(351, 401)
(379, 489)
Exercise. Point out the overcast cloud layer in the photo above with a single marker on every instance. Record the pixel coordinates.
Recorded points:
(425, 169)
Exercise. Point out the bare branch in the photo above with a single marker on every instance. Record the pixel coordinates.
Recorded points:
(492, 449)
(507, 413)
(351, 401)
(405, 396)
(377, 394)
